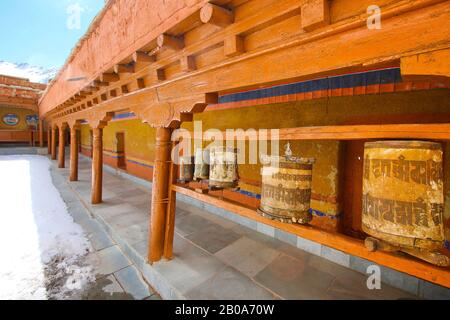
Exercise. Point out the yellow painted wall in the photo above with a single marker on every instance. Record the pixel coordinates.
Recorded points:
(140, 138)
(21, 113)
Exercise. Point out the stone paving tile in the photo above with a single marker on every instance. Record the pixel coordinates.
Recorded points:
(213, 238)
(97, 235)
(191, 223)
(109, 212)
(109, 260)
(354, 287)
(141, 247)
(135, 233)
(248, 256)
(190, 266)
(229, 284)
(127, 219)
(293, 279)
(106, 289)
(133, 283)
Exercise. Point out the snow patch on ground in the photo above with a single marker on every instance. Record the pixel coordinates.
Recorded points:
(42, 248)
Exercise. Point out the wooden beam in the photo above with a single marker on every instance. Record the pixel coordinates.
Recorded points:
(434, 63)
(171, 42)
(233, 46)
(142, 57)
(98, 83)
(439, 131)
(188, 63)
(109, 77)
(124, 68)
(315, 14)
(216, 15)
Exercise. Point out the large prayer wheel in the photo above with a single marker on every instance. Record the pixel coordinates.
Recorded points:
(223, 168)
(286, 189)
(201, 164)
(187, 168)
(403, 198)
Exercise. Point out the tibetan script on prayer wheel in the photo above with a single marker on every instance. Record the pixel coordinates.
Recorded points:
(403, 199)
(286, 189)
(223, 168)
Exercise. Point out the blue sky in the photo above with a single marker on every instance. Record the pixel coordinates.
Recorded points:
(37, 32)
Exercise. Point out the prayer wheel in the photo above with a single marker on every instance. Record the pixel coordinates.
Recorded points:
(286, 189)
(201, 164)
(187, 168)
(403, 198)
(223, 171)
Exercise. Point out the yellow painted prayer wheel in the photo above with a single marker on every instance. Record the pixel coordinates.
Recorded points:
(187, 168)
(403, 198)
(223, 172)
(286, 189)
(202, 159)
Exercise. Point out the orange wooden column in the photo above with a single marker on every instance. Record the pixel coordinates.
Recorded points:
(160, 192)
(74, 153)
(41, 133)
(171, 209)
(62, 147)
(54, 143)
(97, 165)
(49, 140)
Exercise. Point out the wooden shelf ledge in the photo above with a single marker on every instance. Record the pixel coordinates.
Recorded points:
(355, 247)
(432, 131)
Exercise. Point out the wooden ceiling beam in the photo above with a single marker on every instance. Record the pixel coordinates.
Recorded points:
(124, 68)
(142, 57)
(109, 77)
(216, 15)
(171, 42)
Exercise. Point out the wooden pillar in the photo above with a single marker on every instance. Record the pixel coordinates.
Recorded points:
(74, 153)
(97, 165)
(54, 143)
(41, 133)
(171, 209)
(62, 147)
(49, 140)
(159, 207)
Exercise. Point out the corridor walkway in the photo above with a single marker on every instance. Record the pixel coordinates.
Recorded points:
(216, 258)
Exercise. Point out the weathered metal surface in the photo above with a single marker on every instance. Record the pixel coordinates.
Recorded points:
(403, 199)
(286, 189)
(223, 171)
(201, 164)
(187, 168)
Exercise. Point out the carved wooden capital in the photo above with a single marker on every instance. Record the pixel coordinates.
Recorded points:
(168, 114)
(98, 119)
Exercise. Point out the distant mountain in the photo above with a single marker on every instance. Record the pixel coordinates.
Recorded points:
(24, 70)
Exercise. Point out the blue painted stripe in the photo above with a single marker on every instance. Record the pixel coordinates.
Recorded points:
(141, 164)
(312, 211)
(384, 76)
(447, 244)
(122, 116)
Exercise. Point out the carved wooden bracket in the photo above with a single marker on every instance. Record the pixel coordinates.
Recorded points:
(168, 114)
(98, 119)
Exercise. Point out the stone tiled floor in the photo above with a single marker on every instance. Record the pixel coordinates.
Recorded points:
(116, 276)
(215, 258)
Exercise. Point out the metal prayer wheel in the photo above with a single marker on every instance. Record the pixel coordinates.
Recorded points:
(201, 171)
(286, 189)
(187, 168)
(223, 171)
(403, 197)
